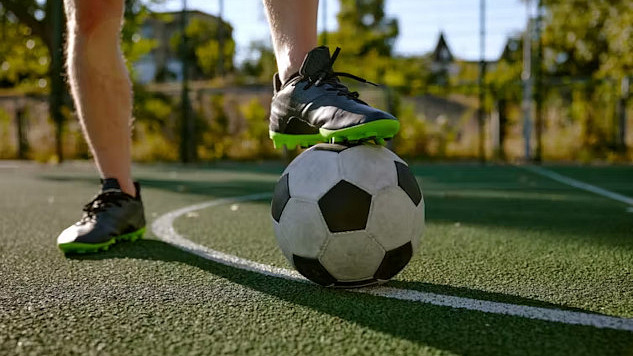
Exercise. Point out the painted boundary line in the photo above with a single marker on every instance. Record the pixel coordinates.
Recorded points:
(578, 184)
(163, 228)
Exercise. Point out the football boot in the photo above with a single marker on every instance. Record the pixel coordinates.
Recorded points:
(110, 217)
(313, 106)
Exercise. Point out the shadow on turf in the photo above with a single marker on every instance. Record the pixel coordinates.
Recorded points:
(214, 189)
(569, 219)
(456, 330)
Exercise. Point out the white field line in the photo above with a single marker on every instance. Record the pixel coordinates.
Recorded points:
(164, 230)
(578, 184)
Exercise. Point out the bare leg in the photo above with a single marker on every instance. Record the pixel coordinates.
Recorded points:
(293, 25)
(100, 84)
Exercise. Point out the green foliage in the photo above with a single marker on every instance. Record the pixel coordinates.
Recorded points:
(203, 47)
(366, 37)
(589, 38)
(262, 64)
(24, 58)
(214, 137)
(5, 140)
(155, 126)
(505, 80)
(133, 45)
(412, 140)
(254, 140)
(26, 30)
(363, 28)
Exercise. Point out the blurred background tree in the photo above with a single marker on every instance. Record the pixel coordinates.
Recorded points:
(366, 36)
(580, 73)
(205, 37)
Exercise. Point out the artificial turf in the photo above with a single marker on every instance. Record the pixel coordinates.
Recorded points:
(496, 233)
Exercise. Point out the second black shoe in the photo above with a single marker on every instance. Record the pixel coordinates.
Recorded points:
(313, 106)
(110, 217)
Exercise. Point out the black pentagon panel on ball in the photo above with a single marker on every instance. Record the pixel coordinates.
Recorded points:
(394, 261)
(408, 183)
(331, 147)
(313, 270)
(281, 195)
(345, 207)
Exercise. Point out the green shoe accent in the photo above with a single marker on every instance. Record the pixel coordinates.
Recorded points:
(378, 130)
(291, 141)
(82, 247)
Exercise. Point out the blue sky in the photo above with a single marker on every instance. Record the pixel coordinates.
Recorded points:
(420, 23)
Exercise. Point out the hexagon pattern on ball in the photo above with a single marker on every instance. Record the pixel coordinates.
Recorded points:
(307, 237)
(369, 167)
(391, 210)
(313, 174)
(352, 256)
(407, 181)
(348, 216)
(394, 261)
(418, 229)
(345, 207)
(281, 240)
(281, 195)
(312, 269)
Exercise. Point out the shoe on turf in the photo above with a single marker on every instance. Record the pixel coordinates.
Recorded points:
(110, 217)
(313, 106)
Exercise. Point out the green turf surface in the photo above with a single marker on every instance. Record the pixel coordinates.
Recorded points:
(495, 233)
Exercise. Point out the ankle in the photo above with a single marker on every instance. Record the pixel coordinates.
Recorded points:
(127, 186)
(290, 65)
(286, 74)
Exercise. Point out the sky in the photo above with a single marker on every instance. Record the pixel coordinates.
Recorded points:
(421, 22)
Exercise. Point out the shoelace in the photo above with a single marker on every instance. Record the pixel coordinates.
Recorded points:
(330, 77)
(100, 203)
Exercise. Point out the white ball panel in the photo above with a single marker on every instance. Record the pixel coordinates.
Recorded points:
(418, 230)
(281, 240)
(303, 229)
(312, 174)
(392, 218)
(370, 167)
(395, 157)
(352, 256)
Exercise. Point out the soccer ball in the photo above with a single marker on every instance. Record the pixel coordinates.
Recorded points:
(348, 216)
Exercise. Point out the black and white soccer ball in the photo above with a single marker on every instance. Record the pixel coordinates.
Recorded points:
(348, 216)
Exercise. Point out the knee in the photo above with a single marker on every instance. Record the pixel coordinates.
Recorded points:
(85, 16)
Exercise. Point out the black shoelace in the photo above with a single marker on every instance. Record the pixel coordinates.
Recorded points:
(100, 203)
(331, 78)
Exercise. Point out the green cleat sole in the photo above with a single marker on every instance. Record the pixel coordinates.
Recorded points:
(82, 247)
(378, 131)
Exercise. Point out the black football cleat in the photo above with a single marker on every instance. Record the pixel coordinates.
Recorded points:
(110, 217)
(313, 106)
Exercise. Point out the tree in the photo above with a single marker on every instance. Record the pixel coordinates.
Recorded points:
(591, 43)
(364, 28)
(37, 15)
(588, 38)
(24, 58)
(261, 63)
(366, 37)
(40, 22)
(204, 42)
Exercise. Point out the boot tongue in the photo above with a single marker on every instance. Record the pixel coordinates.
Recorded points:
(315, 62)
(110, 185)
